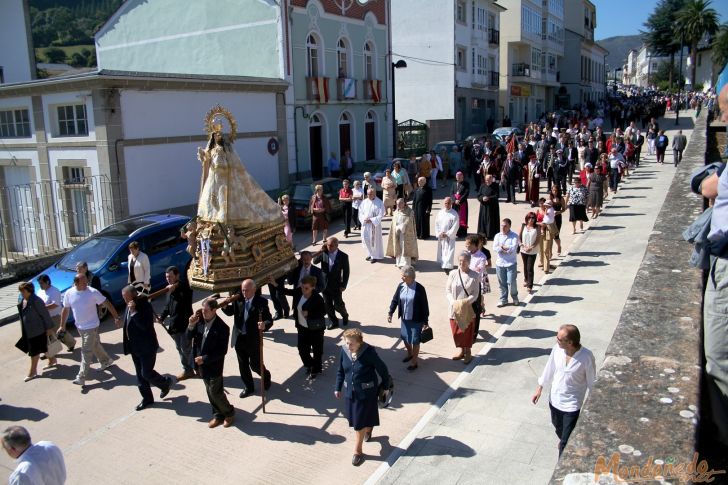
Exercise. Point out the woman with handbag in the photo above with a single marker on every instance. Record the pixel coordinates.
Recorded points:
(37, 328)
(319, 207)
(309, 312)
(410, 300)
(462, 291)
(359, 365)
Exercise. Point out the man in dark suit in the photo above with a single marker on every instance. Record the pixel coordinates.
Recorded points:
(638, 142)
(209, 335)
(251, 315)
(305, 268)
(175, 318)
(140, 340)
(335, 267)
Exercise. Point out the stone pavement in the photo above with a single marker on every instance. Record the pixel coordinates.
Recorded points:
(486, 430)
(104, 441)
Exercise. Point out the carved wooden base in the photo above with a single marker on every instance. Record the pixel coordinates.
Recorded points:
(226, 255)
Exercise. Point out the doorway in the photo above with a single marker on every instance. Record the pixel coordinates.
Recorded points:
(316, 147)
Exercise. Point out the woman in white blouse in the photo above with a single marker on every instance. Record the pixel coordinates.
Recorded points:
(530, 244)
(139, 271)
(462, 291)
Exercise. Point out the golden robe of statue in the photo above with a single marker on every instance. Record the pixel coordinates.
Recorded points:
(229, 194)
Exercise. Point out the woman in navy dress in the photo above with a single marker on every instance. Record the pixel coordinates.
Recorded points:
(359, 365)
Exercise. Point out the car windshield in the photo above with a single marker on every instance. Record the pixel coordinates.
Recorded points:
(94, 251)
(302, 192)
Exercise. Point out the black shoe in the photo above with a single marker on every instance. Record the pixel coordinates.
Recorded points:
(356, 460)
(345, 321)
(286, 314)
(412, 367)
(246, 392)
(166, 390)
(267, 384)
(143, 405)
(276, 316)
(369, 258)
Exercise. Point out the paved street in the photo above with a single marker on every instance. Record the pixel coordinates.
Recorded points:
(487, 424)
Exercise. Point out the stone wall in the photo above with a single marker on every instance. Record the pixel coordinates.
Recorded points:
(644, 407)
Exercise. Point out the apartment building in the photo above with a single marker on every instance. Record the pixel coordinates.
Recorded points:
(583, 70)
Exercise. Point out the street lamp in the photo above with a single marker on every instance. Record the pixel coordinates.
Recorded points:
(400, 64)
(679, 82)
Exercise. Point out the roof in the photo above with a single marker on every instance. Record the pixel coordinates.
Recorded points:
(105, 74)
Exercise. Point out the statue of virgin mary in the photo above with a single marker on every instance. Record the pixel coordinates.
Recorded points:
(229, 194)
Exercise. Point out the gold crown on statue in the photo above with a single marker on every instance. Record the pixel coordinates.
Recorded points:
(214, 121)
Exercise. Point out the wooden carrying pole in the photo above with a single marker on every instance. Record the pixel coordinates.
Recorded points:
(262, 362)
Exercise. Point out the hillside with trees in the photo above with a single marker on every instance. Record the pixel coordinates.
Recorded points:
(60, 26)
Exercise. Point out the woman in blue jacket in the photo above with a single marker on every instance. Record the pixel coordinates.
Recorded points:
(359, 365)
(410, 301)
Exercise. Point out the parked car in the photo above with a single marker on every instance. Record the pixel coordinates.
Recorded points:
(488, 136)
(448, 147)
(375, 168)
(505, 132)
(300, 194)
(106, 254)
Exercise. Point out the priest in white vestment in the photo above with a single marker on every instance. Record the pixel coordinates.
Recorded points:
(446, 228)
(371, 212)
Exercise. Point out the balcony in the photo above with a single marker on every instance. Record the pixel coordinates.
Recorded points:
(521, 69)
(345, 89)
(494, 79)
(317, 89)
(372, 90)
(494, 36)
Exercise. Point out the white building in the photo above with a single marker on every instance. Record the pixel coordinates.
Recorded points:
(583, 71)
(532, 51)
(646, 65)
(17, 59)
(453, 67)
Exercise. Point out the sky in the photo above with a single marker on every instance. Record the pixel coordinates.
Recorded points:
(625, 17)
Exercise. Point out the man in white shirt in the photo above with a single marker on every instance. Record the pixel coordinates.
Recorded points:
(37, 464)
(82, 300)
(571, 371)
(505, 244)
(371, 212)
(53, 300)
(447, 224)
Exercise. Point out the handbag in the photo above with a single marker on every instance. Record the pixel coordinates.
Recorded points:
(54, 346)
(426, 334)
(316, 323)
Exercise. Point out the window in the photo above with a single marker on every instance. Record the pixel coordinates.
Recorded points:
(15, 123)
(460, 59)
(552, 63)
(162, 241)
(76, 199)
(313, 56)
(460, 14)
(72, 120)
(556, 7)
(2, 75)
(342, 58)
(472, 14)
(482, 65)
(368, 61)
(472, 61)
(531, 21)
(536, 59)
(482, 20)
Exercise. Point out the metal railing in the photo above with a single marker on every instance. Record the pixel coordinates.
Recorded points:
(494, 36)
(494, 79)
(521, 69)
(40, 219)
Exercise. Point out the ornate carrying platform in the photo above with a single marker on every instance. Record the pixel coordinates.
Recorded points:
(225, 252)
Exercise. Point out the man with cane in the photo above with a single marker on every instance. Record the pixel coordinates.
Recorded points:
(251, 317)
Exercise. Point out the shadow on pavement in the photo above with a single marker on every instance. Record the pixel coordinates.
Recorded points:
(605, 228)
(537, 313)
(632, 188)
(534, 333)
(439, 446)
(632, 197)
(595, 254)
(17, 413)
(555, 299)
(502, 355)
(622, 214)
(568, 282)
(580, 263)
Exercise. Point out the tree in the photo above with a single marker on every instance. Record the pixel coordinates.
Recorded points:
(54, 55)
(720, 48)
(693, 21)
(660, 31)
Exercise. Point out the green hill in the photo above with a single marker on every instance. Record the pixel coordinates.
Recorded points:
(619, 47)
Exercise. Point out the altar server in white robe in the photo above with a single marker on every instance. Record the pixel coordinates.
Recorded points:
(446, 229)
(371, 212)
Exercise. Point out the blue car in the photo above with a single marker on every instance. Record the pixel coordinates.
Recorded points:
(106, 253)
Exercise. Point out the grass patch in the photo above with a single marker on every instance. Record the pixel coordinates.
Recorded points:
(68, 49)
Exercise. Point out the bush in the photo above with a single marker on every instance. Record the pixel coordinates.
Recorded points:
(54, 55)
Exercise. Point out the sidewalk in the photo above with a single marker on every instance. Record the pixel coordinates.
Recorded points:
(486, 430)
